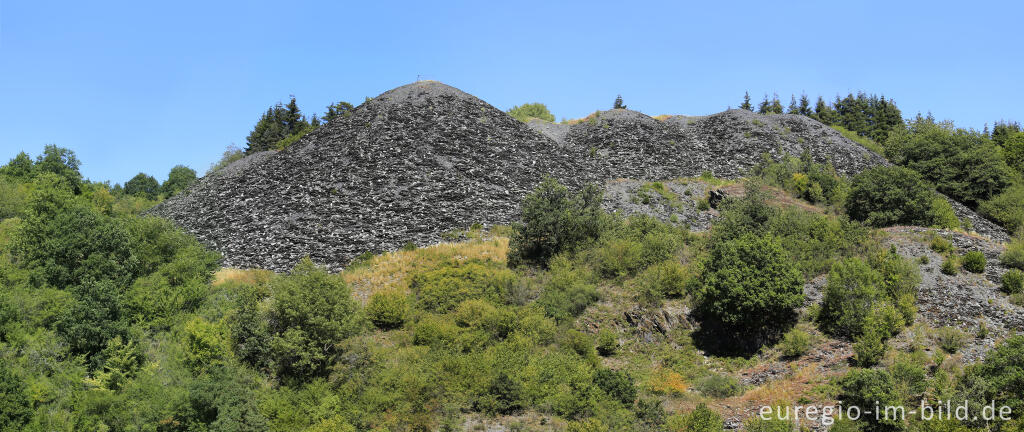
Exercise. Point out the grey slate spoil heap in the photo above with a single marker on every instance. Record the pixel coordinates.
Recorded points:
(426, 158)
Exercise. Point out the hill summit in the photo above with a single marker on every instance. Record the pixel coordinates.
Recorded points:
(426, 158)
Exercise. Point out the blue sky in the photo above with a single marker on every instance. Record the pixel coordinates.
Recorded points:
(143, 86)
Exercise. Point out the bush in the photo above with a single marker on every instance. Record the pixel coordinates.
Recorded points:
(701, 419)
(850, 297)
(1002, 372)
(1014, 254)
(568, 292)
(387, 309)
(941, 244)
(616, 384)
(669, 279)
(312, 312)
(796, 343)
(869, 347)
(536, 110)
(719, 386)
(15, 403)
(749, 287)
(1007, 208)
(974, 262)
(554, 221)
(885, 196)
(607, 343)
(503, 396)
(443, 288)
(864, 388)
(950, 339)
(950, 266)
(1013, 281)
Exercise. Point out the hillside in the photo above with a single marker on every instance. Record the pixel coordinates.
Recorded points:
(425, 158)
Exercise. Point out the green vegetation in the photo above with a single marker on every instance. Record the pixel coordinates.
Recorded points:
(749, 289)
(885, 196)
(1013, 281)
(554, 221)
(536, 110)
(113, 321)
(974, 262)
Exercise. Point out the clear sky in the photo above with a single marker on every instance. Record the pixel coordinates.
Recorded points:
(142, 86)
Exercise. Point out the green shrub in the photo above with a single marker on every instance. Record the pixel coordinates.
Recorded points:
(757, 424)
(443, 288)
(850, 297)
(616, 384)
(796, 343)
(607, 343)
(1013, 281)
(749, 287)
(719, 386)
(950, 339)
(15, 403)
(536, 110)
(974, 262)
(387, 309)
(311, 313)
(1007, 208)
(950, 266)
(701, 419)
(1013, 256)
(941, 244)
(554, 221)
(503, 396)
(885, 196)
(669, 279)
(568, 292)
(864, 388)
(1002, 373)
(869, 346)
(436, 331)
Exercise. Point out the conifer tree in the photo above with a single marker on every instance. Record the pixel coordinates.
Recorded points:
(793, 109)
(805, 105)
(763, 107)
(776, 106)
(746, 102)
(618, 103)
(340, 109)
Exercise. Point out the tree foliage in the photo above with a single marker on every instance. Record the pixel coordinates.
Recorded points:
(535, 110)
(179, 179)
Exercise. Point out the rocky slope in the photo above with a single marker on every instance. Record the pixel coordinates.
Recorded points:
(426, 158)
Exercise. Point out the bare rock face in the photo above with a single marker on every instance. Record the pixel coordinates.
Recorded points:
(406, 166)
(427, 158)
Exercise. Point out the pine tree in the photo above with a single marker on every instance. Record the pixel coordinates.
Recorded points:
(746, 102)
(793, 109)
(618, 103)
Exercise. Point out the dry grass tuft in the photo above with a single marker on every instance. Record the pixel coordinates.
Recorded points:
(394, 270)
(248, 277)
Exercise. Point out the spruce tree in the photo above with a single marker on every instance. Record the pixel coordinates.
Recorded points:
(618, 103)
(340, 109)
(805, 105)
(746, 102)
(763, 107)
(793, 109)
(776, 106)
